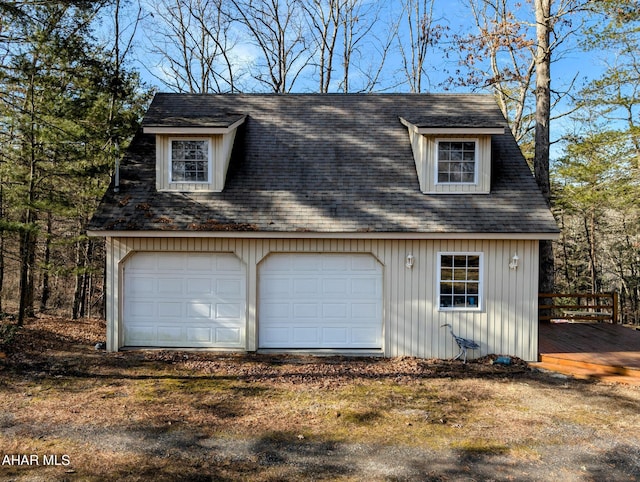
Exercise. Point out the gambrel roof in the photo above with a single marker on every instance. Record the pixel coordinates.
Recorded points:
(325, 163)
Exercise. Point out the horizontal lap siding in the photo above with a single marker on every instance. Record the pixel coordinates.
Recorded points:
(507, 323)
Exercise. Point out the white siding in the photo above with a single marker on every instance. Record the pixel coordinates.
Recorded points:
(507, 323)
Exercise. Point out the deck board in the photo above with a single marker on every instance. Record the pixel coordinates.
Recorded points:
(591, 344)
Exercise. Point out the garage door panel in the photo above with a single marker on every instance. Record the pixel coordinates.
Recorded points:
(228, 311)
(229, 287)
(335, 310)
(199, 311)
(306, 336)
(364, 336)
(302, 264)
(183, 301)
(169, 333)
(170, 309)
(305, 286)
(335, 286)
(365, 311)
(170, 263)
(276, 336)
(364, 263)
(305, 310)
(228, 264)
(140, 286)
(140, 333)
(336, 336)
(317, 300)
(228, 335)
(335, 263)
(170, 286)
(365, 286)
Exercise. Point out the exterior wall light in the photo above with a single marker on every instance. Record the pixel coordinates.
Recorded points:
(514, 262)
(410, 259)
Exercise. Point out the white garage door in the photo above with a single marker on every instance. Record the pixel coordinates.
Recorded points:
(320, 301)
(184, 300)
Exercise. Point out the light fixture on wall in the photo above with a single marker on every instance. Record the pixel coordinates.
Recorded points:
(410, 259)
(514, 262)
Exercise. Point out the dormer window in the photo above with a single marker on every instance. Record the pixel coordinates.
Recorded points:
(193, 153)
(190, 160)
(456, 161)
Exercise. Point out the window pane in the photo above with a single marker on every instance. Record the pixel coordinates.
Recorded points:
(446, 261)
(189, 160)
(456, 161)
(460, 261)
(446, 288)
(459, 288)
(467, 177)
(459, 301)
(459, 284)
(460, 274)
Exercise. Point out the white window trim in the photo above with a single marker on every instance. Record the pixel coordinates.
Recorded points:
(475, 140)
(480, 306)
(209, 160)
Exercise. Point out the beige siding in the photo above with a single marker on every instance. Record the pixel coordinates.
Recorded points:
(483, 168)
(221, 147)
(424, 154)
(506, 324)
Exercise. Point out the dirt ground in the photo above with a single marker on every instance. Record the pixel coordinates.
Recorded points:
(71, 412)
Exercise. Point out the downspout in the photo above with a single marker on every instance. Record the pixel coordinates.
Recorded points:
(116, 180)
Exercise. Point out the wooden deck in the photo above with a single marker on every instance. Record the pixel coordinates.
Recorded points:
(591, 350)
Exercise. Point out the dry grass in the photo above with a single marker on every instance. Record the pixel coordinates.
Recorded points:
(199, 416)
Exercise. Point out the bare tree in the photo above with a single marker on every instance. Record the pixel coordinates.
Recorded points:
(324, 19)
(277, 29)
(423, 33)
(341, 31)
(193, 42)
(360, 20)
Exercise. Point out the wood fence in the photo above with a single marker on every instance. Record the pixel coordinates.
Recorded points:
(578, 307)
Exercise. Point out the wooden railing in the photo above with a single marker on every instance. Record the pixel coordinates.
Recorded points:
(578, 307)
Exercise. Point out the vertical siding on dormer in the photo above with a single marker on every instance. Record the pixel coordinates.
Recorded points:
(219, 148)
(429, 167)
(419, 148)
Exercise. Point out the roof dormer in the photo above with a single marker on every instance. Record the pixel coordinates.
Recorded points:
(452, 156)
(193, 153)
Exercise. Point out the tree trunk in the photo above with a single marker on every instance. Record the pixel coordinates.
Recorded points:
(542, 140)
(1, 244)
(46, 288)
(77, 295)
(27, 258)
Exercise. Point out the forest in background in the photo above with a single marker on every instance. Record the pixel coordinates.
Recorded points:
(72, 96)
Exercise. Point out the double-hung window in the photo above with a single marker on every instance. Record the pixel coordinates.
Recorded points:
(459, 281)
(457, 161)
(190, 160)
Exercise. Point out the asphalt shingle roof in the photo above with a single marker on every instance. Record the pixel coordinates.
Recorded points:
(325, 163)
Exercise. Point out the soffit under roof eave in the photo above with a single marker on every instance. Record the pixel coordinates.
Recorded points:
(323, 235)
(151, 129)
(440, 130)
